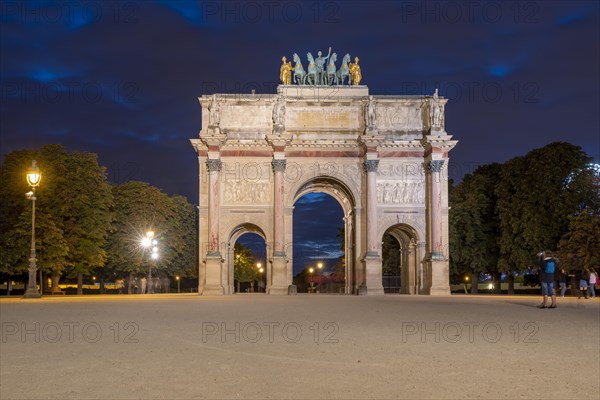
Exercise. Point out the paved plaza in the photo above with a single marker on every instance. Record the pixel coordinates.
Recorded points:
(298, 347)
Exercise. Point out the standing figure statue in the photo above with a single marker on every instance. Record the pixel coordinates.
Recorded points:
(355, 74)
(370, 113)
(437, 110)
(299, 73)
(279, 112)
(285, 71)
(213, 112)
(344, 71)
(320, 61)
(312, 75)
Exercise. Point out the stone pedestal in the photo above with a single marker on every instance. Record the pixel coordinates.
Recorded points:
(279, 284)
(213, 284)
(373, 275)
(439, 276)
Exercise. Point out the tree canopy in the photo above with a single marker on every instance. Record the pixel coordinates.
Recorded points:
(502, 215)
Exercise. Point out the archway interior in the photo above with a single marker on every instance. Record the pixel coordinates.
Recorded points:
(400, 260)
(391, 253)
(250, 263)
(318, 232)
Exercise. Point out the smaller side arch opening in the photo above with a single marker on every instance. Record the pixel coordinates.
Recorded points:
(246, 260)
(400, 260)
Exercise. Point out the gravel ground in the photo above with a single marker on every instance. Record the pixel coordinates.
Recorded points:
(254, 346)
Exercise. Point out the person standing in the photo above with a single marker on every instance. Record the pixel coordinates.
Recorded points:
(548, 266)
(561, 277)
(593, 281)
(583, 283)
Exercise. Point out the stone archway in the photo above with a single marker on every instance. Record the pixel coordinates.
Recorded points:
(337, 189)
(228, 271)
(410, 258)
(384, 158)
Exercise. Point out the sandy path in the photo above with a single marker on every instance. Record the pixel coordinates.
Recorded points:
(292, 347)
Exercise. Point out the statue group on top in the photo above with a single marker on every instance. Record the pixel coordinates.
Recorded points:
(316, 73)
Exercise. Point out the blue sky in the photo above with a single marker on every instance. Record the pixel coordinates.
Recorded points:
(122, 79)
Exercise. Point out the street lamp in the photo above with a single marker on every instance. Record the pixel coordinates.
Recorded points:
(260, 271)
(148, 241)
(178, 287)
(320, 269)
(33, 179)
(311, 270)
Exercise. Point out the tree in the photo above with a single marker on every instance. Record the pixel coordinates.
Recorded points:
(474, 226)
(243, 265)
(139, 208)
(580, 246)
(186, 261)
(537, 194)
(73, 212)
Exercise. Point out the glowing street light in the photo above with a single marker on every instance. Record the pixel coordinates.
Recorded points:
(34, 176)
(148, 241)
(178, 282)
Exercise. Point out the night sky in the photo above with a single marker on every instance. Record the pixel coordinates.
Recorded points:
(122, 79)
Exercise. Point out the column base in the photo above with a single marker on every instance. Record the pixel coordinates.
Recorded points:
(374, 286)
(213, 284)
(213, 291)
(279, 284)
(440, 278)
(278, 290)
(362, 290)
(32, 294)
(292, 290)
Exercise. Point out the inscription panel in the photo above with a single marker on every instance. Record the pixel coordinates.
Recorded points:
(333, 118)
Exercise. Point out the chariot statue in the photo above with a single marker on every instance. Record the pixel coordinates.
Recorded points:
(319, 74)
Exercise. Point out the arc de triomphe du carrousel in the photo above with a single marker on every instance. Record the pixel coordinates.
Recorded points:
(383, 158)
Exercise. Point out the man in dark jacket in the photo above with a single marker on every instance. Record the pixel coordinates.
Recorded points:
(548, 265)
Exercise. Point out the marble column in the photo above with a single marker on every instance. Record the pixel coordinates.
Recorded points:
(278, 232)
(279, 284)
(436, 263)
(373, 262)
(371, 169)
(435, 167)
(349, 284)
(214, 284)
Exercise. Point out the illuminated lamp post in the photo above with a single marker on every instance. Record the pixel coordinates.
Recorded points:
(34, 176)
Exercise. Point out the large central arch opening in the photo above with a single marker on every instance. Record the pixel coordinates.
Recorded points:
(322, 237)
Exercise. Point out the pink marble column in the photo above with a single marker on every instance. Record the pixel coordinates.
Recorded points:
(214, 169)
(278, 232)
(435, 167)
(371, 168)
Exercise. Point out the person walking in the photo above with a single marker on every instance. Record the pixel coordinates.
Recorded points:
(593, 279)
(548, 266)
(583, 283)
(561, 277)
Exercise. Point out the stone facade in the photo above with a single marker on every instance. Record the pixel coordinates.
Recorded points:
(383, 158)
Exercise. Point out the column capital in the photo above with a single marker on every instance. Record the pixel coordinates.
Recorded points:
(278, 165)
(279, 141)
(371, 165)
(213, 165)
(213, 142)
(435, 165)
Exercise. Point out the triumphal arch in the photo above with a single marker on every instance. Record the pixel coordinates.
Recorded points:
(383, 158)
